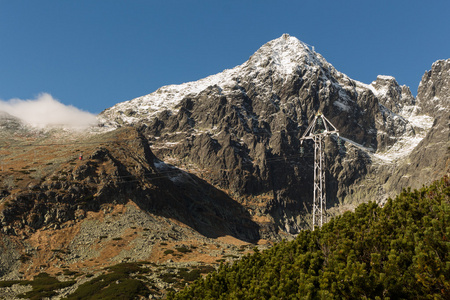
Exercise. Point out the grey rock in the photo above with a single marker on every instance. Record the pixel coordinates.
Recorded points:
(242, 130)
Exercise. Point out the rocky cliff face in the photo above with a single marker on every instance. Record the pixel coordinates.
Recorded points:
(119, 167)
(59, 210)
(240, 129)
(434, 89)
(431, 158)
(391, 95)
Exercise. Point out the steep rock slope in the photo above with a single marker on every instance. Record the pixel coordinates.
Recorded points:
(240, 129)
(433, 95)
(431, 158)
(59, 210)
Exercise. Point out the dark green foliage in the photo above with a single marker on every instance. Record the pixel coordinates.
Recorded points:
(169, 277)
(9, 283)
(400, 251)
(70, 273)
(118, 283)
(168, 251)
(183, 249)
(185, 275)
(206, 269)
(189, 275)
(44, 286)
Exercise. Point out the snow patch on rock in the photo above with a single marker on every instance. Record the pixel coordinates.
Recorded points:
(406, 143)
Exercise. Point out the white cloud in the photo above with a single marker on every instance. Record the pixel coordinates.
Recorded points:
(46, 111)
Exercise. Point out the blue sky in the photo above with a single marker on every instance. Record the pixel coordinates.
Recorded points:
(94, 54)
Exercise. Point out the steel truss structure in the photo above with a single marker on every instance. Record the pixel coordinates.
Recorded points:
(319, 128)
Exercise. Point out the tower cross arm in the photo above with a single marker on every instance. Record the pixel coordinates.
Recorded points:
(310, 132)
(328, 124)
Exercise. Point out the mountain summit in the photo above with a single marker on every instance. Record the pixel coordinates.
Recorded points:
(240, 130)
(280, 57)
(284, 56)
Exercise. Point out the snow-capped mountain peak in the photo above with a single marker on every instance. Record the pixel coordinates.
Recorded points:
(284, 55)
(280, 57)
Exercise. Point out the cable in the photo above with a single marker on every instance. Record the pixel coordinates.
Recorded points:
(129, 139)
(150, 176)
(174, 171)
(178, 171)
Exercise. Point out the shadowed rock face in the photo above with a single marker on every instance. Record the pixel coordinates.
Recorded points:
(119, 172)
(50, 203)
(240, 129)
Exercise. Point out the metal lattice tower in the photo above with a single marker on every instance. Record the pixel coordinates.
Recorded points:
(319, 128)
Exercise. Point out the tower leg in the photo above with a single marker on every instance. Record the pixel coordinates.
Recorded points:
(319, 200)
